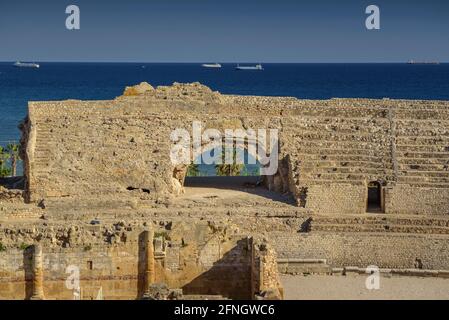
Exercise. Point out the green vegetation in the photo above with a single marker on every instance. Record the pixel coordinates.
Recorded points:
(9, 157)
(4, 157)
(233, 169)
(24, 246)
(88, 247)
(255, 172)
(193, 170)
(2, 247)
(14, 156)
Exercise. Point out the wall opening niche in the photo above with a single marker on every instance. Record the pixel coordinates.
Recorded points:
(375, 198)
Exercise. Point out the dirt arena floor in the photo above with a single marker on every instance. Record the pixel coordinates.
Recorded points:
(317, 287)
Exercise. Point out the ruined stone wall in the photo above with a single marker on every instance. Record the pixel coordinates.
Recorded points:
(117, 152)
(266, 275)
(121, 148)
(201, 258)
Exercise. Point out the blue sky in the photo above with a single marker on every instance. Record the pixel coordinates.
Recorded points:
(224, 31)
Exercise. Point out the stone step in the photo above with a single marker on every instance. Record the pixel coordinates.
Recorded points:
(422, 133)
(422, 155)
(339, 155)
(378, 228)
(419, 179)
(424, 174)
(329, 164)
(361, 128)
(423, 106)
(423, 167)
(422, 161)
(45, 128)
(340, 176)
(311, 170)
(417, 114)
(353, 138)
(303, 266)
(382, 220)
(307, 181)
(369, 155)
(419, 140)
(423, 148)
(428, 185)
(332, 112)
(42, 140)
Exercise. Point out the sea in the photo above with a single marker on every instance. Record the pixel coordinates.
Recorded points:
(97, 81)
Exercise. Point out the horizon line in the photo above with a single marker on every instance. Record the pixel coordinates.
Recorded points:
(232, 62)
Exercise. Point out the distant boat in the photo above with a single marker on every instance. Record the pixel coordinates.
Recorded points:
(211, 65)
(422, 62)
(26, 65)
(256, 67)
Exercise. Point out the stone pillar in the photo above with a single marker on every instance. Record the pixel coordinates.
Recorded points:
(37, 273)
(252, 268)
(149, 275)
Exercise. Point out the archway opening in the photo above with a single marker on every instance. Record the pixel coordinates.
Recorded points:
(245, 173)
(239, 182)
(374, 201)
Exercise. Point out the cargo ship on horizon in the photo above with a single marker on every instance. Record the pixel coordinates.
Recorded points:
(211, 65)
(19, 64)
(256, 67)
(422, 62)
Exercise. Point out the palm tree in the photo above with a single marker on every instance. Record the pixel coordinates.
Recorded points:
(233, 169)
(193, 170)
(4, 157)
(14, 156)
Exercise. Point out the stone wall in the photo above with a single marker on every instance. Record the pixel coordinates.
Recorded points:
(386, 250)
(201, 258)
(118, 150)
(406, 199)
(337, 198)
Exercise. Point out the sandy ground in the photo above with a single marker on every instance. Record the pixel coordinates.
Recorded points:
(231, 190)
(318, 287)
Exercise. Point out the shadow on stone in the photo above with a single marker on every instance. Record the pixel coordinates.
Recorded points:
(229, 277)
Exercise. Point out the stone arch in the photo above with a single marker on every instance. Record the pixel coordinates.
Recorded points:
(279, 182)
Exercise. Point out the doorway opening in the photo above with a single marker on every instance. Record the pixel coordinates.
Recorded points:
(375, 199)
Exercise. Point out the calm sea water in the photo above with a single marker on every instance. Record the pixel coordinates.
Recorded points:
(56, 81)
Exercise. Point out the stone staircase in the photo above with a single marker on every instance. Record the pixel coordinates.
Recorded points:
(342, 145)
(378, 223)
(397, 142)
(43, 152)
(423, 145)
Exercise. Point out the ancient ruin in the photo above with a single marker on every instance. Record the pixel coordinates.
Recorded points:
(360, 182)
